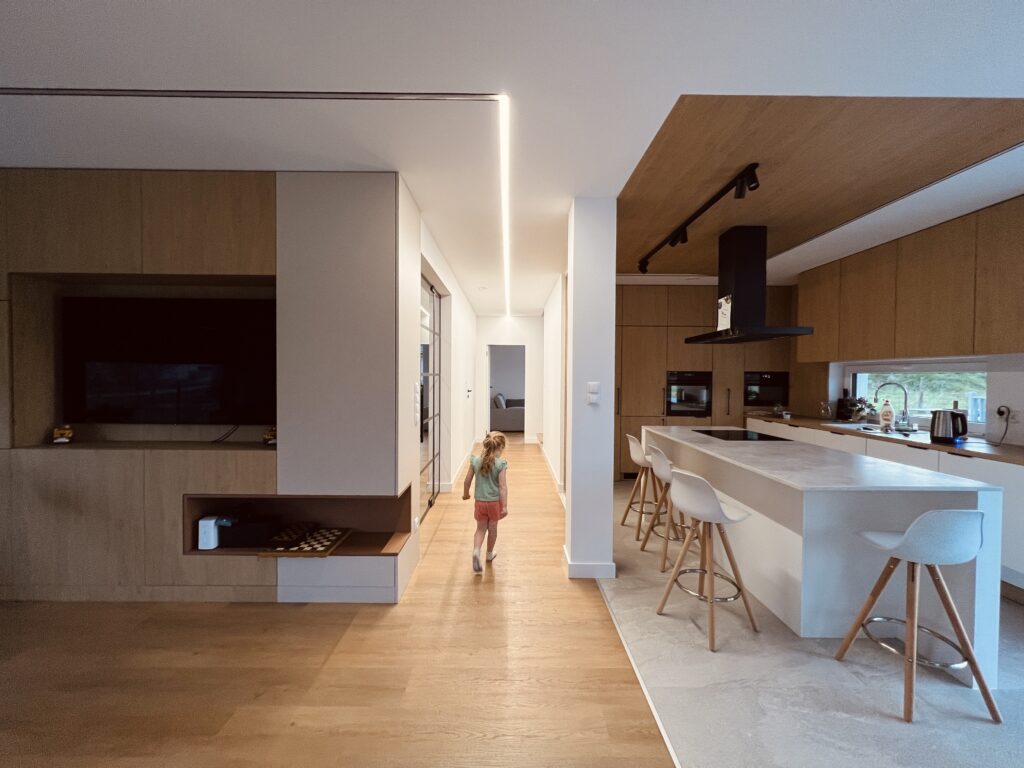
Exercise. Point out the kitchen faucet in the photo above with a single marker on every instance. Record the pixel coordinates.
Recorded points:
(904, 418)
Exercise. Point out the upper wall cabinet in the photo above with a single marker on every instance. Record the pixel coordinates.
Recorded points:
(935, 290)
(644, 304)
(692, 305)
(867, 304)
(72, 221)
(773, 355)
(818, 306)
(999, 312)
(209, 222)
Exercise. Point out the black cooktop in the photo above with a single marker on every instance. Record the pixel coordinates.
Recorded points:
(744, 435)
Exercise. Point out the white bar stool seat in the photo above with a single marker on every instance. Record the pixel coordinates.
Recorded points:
(694, 496)
(662, 468)
(938, 537)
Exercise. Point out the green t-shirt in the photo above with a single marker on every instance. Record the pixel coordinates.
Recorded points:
(487, 487)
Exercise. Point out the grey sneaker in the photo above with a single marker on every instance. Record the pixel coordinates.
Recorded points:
(476, 563)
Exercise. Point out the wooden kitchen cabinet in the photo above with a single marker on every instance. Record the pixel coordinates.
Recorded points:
(818, 306)
(999, 309)
(693, 305)
(773, 355)
(209, 222)
(642, 379)
(687, 357)
(633, 425)
(867, 304)
(644, 304)
(935, 290)
(69, 220)
(727, 390)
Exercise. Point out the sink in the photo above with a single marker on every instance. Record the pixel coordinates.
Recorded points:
(873, 429)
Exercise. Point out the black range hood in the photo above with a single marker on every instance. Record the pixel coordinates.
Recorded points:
(742, 278)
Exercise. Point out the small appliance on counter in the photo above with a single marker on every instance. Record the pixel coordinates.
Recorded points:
(948, 426)
(846, 407)
(208, 538)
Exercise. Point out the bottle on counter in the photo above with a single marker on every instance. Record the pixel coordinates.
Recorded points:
(886, 417)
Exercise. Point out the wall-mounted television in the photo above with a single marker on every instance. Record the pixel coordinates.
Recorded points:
(168, 361)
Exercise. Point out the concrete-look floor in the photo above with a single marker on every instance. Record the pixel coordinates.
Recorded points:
(517, 667)
(773, 699)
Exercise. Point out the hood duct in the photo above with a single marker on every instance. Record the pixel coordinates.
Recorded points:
(743, 291)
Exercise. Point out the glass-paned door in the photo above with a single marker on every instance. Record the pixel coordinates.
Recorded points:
(430, 396)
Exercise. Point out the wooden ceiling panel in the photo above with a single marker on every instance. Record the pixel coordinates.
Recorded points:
(824, 161)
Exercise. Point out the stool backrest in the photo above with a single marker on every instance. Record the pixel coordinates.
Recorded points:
(942, 537)
(660, 464)
(693, 495)
(636, 452)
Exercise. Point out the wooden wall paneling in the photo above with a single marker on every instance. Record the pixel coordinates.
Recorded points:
(935, 290)
(643, 371)
(617, 470)
(618, 305)
(687, 421)
(999, 308)
(11, 528)
(80, 516)
(61, 220)
(693, 305)
(5, 293)
(727, 392)
(33, 375)
(5, 374)
(687, 357)
(867, 303)
(209, 222)
(172, 473)
(773, 355)
(818, 306)
(644, 304)
(808, 386)
(633, 425)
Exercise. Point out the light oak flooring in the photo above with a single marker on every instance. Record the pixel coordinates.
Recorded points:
(519, 667)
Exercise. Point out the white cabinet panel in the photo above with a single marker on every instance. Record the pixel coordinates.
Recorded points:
(904, 454)
(1011, 478)
(848, 443)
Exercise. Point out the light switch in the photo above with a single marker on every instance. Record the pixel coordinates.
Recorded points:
(593, 392)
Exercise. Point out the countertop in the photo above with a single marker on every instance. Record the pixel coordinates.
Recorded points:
(807, 467)
(148, 445)
(973, 446)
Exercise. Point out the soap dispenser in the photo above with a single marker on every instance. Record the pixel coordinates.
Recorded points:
(886, 417)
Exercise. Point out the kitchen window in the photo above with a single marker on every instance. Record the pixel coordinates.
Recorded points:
(930, 386)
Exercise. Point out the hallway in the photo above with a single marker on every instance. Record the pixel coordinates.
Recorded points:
(519, 667)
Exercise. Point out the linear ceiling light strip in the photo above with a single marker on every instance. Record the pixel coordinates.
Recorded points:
(503, 127)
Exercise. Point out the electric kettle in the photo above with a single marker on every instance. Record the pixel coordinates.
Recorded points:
(948, 426)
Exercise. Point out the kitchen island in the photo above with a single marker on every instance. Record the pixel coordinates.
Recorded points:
(799, 550)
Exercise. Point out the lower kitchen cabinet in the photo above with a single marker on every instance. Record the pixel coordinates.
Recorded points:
(904, 454)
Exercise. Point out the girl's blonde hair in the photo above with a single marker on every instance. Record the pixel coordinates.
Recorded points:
(494, 443)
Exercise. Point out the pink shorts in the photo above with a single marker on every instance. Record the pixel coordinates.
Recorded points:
(487, 510)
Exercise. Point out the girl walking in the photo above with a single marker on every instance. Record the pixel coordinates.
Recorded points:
(491, 494)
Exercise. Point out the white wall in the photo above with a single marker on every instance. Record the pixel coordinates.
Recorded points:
(591, 358)
(553, 384)
(336, 325)
(528, 331)
(508, 371)
(1005, 387)
(458, 361)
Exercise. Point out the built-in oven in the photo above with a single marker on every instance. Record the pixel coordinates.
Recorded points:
(688, 393)
(766, 388)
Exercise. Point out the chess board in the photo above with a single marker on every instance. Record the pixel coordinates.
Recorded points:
(320, 542)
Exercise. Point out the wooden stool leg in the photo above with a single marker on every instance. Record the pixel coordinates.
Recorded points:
(632, 496)
(736, 575)
(655, 517)
(710, 560)
(702, 536)
(965, 643)
(876, 590)
(646, 473)
(910, 641)
(675, 570)
(669, 526)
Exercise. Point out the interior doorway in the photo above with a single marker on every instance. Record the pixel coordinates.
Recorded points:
(430, 396)
(508, 387)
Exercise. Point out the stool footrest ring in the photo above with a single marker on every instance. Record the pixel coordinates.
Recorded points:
(717, 575)
(896, 646)
(661, 535)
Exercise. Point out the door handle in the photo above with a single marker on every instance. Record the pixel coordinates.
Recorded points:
(618, 401)
(728, 401)
(662, 401)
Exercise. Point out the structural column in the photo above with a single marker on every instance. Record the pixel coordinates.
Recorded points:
(590, 389)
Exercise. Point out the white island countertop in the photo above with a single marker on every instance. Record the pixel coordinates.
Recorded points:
(807, 467)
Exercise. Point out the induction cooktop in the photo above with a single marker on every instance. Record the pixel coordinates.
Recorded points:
(744, 435)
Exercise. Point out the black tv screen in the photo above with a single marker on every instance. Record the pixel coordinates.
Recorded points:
(168, 361)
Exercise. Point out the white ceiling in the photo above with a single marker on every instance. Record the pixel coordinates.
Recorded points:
(590, 83)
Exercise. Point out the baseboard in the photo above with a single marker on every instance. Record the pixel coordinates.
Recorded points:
(453, 483)
(554, 476)
(588, 570)
(1013, 577)
(531, 440)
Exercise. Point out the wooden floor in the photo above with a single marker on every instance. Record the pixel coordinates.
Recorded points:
(519, 667)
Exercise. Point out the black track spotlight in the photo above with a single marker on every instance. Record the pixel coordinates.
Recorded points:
(741, 187)
(751, 178)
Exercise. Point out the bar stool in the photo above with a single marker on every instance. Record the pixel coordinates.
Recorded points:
(662, 469)
(694, 496)
(643, 481)
(938, 537)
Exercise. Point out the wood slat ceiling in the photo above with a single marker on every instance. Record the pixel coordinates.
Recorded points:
(824, 161)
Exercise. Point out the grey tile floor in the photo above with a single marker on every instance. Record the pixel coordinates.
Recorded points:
(774, 699)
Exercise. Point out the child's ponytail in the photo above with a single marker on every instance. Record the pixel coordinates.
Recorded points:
(494, 442)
